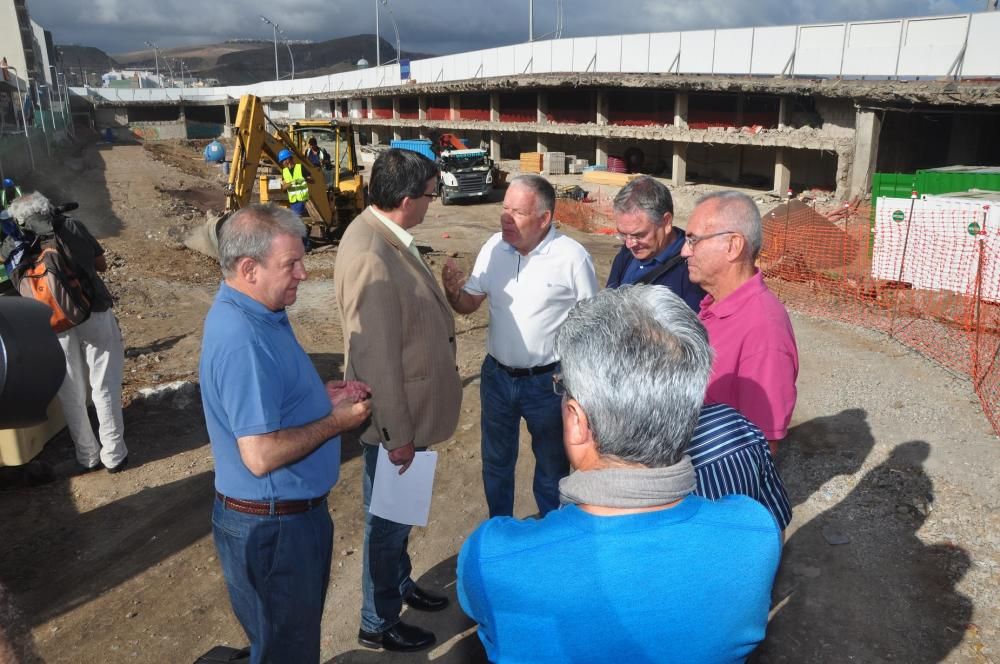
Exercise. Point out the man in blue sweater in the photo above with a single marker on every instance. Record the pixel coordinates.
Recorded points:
(633, 568)
(651, 244)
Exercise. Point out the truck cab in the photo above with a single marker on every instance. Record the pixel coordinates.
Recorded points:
(465, 174)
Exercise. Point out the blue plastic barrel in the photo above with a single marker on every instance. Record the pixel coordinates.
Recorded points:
(215, 152)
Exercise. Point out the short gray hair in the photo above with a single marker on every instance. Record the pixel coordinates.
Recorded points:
(250, 232)
(545, 193)
(737, 212)
(637, 360)
(647, 195)
(28, 209)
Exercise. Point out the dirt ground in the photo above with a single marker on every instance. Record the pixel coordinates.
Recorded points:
(892, 555)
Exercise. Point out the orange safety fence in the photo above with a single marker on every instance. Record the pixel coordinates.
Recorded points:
(922, 272)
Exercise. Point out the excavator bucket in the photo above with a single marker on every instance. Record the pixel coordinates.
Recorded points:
(205, 238)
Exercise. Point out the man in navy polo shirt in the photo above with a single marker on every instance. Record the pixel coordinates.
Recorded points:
(274, 428)
(644, 218)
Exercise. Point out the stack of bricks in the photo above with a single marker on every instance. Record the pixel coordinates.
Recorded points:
(531, 162)
(555, 163)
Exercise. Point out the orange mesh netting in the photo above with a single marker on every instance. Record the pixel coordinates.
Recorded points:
(924, 272)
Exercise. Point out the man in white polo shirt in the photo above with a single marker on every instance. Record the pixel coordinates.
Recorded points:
(533, 276)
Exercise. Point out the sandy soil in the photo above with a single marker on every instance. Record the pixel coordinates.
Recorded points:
(892, 555)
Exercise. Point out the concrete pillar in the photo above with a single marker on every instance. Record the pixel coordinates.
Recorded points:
(603, 107)
(371, 107)
(455, 107)
(376, 139)
(494, 146)
(494, 107)
(783, 113)
(542, 143)
(180, 112)
(422, 107)
(395, 108)
(396, 134)
(227, 129)
(543, 108)
(867, 126)
(337, 113)
(782, 173)
(679, 167)
(681, 110)
(739, 109)
(601, 153)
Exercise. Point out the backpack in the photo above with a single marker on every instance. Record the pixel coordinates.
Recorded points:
(45, 273)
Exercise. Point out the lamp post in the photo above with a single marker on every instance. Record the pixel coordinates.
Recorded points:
(156, 57)
(395, 29)
(291, 58)
(378, 46)
(531, 20)
(275, 26)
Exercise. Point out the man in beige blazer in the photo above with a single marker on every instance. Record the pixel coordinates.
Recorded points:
(399, 337)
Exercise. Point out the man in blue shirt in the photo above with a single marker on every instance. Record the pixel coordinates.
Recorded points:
(274, 429)
(633, 568)
(644, 217)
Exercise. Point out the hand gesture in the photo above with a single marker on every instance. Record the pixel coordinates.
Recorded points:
(452, 278)
(349, 390)
(350, 415)
(402, 456)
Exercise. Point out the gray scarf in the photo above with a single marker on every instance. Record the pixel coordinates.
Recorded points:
(629, 487)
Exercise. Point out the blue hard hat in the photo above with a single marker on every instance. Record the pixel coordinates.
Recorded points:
(8, 182)
(284, 154)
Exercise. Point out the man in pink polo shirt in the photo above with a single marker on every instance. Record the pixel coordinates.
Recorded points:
(756, 360)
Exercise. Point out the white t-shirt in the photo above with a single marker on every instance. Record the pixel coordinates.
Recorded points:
(530, 296)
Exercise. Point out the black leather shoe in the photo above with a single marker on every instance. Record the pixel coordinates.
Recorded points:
(400, 638)
(120, 467)
(421, 600)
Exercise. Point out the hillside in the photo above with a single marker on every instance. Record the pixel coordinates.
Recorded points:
(82, 62)
(236, 63)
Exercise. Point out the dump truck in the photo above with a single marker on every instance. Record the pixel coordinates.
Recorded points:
(336, 194)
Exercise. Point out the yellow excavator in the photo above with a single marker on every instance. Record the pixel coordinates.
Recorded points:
(336, 187)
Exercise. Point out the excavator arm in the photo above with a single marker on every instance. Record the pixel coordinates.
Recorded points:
(256, 144)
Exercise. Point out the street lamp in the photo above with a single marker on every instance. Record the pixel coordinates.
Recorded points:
(156, 56)
(275, 26)
(394, 29)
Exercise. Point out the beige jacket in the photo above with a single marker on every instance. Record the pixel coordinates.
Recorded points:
(399, 337)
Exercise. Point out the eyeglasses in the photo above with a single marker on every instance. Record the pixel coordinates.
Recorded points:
(432, 196)
(635, 237)
(692, 240)
(559, 387)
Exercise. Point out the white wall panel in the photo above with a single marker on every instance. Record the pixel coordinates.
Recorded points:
(562, 55)
(505, 55)
(663, 49)
(491, 62)
(635, 53)
(609, 54)
(771, 49)
(584, 50)
(819, 50)
(541, 57)
(522, 59)
(697, 51)
(930, 46)
(733, 51)
(871, 49)
(981, 57)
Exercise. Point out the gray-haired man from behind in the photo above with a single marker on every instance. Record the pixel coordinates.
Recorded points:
(635, 363)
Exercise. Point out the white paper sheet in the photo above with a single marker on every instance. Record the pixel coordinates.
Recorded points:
(403, 498)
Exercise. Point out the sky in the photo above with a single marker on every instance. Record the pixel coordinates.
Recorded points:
(437, 26)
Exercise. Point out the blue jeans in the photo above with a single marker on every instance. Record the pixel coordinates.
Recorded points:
(298, 208)
(505, 400)
(385, 570)
(277, 569)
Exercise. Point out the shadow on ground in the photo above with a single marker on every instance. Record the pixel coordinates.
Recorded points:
(856, 583)
(457, 642)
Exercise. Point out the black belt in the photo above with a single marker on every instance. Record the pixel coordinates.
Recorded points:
(517, 372)
(263, 507)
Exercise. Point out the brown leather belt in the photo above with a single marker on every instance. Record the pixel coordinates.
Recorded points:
(263, 507)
